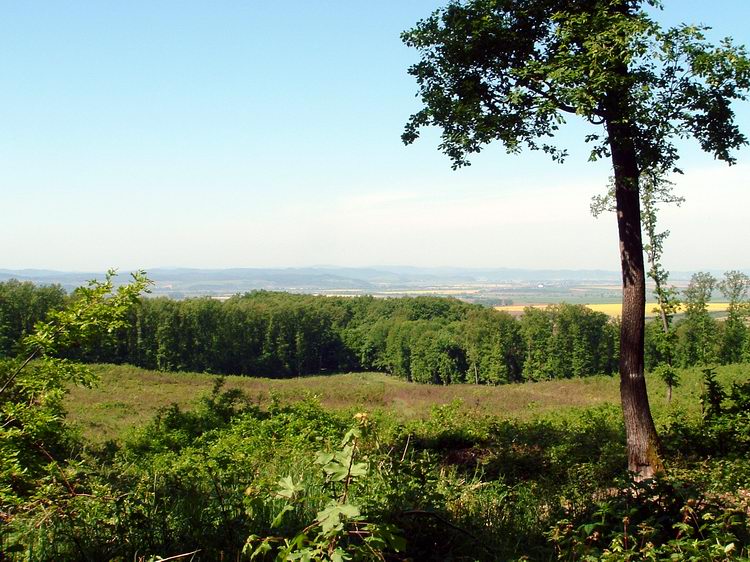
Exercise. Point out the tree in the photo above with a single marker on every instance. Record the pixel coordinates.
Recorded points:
(509, 71)
(699, 345)
(735, 287)
(437, 357)
(23, 304)
(536, 328)
(655, 189)
(32, 385)
(493, 345)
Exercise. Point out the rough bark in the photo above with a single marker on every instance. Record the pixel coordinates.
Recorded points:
(642, 439)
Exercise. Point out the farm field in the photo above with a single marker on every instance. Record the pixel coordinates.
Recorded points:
(612, 309)
(127, 396)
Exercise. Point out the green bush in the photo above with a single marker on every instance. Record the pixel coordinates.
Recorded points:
(227, 479)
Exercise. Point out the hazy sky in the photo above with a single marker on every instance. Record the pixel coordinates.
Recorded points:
(264, 134)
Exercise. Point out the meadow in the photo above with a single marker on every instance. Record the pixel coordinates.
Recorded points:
(366, 467)
(126, 396)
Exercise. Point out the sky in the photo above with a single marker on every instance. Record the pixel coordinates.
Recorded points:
(181, 133)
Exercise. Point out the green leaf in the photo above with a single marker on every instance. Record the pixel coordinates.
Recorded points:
(336, 472)
(330, 518)
(277, 520)
(351, 435)
(262, 549)
(323, 458)
(359, 469)
(287, 488)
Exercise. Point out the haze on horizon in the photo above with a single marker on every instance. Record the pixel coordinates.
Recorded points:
(146, 135)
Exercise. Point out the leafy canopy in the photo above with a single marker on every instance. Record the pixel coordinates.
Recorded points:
(510, 70)
(32, 385)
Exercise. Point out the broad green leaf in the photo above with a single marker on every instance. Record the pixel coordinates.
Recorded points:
(330, 518)
(277, 520)
(287, 488)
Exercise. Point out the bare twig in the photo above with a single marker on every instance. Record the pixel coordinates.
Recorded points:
(176, 556)
(59, 469)
(441, 519)
(406, 447)
(11, 378)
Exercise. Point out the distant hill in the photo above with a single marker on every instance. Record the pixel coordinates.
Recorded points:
(182, 282)
(311, 278)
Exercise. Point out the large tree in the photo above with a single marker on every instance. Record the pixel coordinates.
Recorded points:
(700, 330)
(735, 288)
(510, 70)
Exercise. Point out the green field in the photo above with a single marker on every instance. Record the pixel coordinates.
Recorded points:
(127, 396)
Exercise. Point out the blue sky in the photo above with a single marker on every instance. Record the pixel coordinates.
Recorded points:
(248, 134)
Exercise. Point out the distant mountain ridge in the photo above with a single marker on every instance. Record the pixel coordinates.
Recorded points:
(324, 276)
(357, 280)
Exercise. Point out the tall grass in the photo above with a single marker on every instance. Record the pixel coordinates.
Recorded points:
(128, 396)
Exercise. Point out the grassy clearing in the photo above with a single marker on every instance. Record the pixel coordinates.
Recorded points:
(128, 396)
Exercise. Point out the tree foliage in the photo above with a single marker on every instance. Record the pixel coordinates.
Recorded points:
(511, 70)
(22, 305)
(699, 332)
(32, 427)
(734, 288)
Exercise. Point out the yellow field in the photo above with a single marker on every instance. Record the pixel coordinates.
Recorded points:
(610, 309)
(615, 309)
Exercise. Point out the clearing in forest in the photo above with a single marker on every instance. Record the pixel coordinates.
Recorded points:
(128, 396)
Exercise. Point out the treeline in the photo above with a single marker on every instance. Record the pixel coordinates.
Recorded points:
(23, 304)
(422, 339)
(698, 338)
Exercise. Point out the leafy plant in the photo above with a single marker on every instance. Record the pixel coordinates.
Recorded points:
(33, 434)
(669, 375)
(653, 520)
(338, 532)
(713, 394)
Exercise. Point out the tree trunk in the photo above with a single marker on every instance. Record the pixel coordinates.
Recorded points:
(664, 320)
(642, 440)
(663, 314)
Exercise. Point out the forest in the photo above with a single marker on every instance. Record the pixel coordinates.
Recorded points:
(422, 339)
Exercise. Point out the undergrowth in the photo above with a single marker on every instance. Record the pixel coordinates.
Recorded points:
(230, 481)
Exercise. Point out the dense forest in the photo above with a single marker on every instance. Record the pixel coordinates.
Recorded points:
(421, 339)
